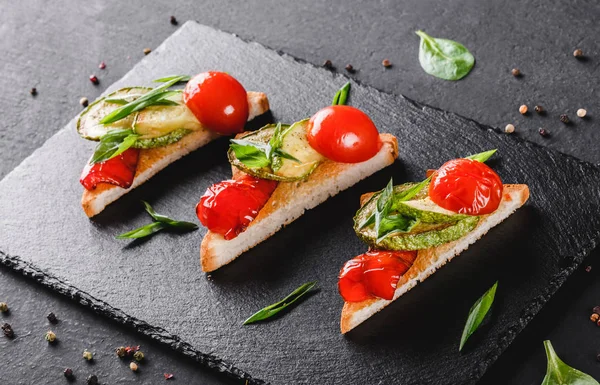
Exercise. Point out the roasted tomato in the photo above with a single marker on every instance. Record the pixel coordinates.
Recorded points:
(467, 187)
(218, 101)
(228, 207)
(119, 171)
(343, 134)
(374, 274)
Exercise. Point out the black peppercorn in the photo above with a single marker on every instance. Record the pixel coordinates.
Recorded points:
(8, 330)
(92, 380)
(596, 309)
(33, 91)
(564, 118)
(349, 68)
(52, 318)
(543, 132)
(598, 357)
(539, 109)
(174, 20)
(328, 64)
(68, 373)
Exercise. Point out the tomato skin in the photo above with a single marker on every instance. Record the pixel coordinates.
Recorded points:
(218, 101)
(343, 134)
(374, 274)
(466, 186)
(119, 171)
(228, 207)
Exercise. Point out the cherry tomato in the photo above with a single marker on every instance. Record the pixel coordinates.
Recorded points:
(228, 207)
(467, 187)
(218, 101)
(343, 134)
(119, 170)
(374, 274)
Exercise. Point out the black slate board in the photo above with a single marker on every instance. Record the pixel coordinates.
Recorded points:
(157, 286)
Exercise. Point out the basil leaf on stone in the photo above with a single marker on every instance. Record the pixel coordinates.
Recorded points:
(113, 143)
(161, 222)
(443, 58)
(559, 373)
(477, 313)
(271, 310)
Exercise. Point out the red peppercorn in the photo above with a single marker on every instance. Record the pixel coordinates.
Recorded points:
(588, 269)
(102, 65)
(168, 376)
(543, 132)
(68, 373)
(94, 79)
(596, 309)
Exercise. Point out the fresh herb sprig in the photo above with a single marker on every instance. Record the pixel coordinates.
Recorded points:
(443, 58)
(386, 224)
(271, 310)
(341, 96)
(113, 143)
(161, 222)
(477, 313)
(559, 373)
(259, 155)
(157, 95)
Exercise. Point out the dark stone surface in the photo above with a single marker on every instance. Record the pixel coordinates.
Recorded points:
(55, 48)
(540, 238)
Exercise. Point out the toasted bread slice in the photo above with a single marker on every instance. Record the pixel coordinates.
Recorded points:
(153, 160)
(290, 200)
(429, 260)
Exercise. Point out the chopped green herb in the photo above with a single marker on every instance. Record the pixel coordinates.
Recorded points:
(477, 314)
(341, 96)
(271, 310)
(161, 222)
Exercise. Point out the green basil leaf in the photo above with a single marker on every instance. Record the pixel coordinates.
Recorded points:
(161, 222)
(113, 143)
(252, 154)
(143, 231)
(477, 313)
(157, 94)
(182, 78)
(482, 156)
(559, 373)
(445, 59)
(271, 310)
(394, 224)
(341, 96)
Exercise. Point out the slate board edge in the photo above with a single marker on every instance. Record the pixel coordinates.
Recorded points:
(212, 362)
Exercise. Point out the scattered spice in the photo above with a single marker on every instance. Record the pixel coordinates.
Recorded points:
(68, 373)
(349, 68)
(328, 64)
(94, 79)
(588, 269)
(33, 91)
(50, 336)
(147, 51)
(52, 318)
(133, 366)
(102, 65)
(594, 317)
(386, 63)
(523, 109)
(3, 307)
(169, 376)
(174, 20)
(121, 352)
(88, 355)
(564, 118)
(598, 357)
(84, 101)
(596, 309)
(516, 72)
(138, 356)
(509, 129)
(130, 350)
(543, 132)
(581, 113)
(539, 109)
(92, 380)
(578, 53)
(8, 330)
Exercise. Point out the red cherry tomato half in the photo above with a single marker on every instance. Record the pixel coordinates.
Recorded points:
(467, 187)
(119, 170)
(218, 101)
(228, 207)
(374, 274)
(343, 134)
